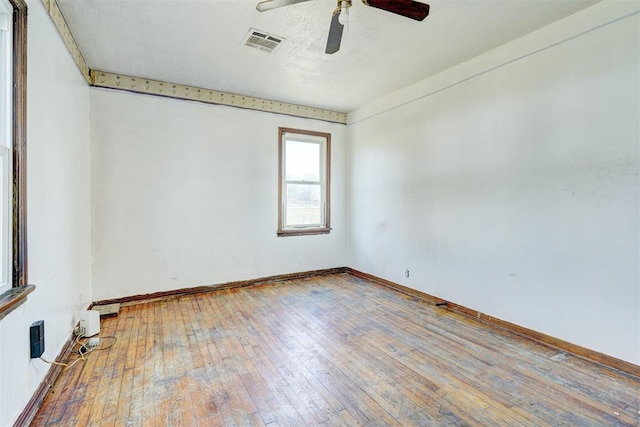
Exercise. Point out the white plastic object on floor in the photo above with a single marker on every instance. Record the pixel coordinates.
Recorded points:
(89, 323)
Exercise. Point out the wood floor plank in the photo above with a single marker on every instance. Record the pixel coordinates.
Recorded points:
(163, 381)
(131, 390)
(113, 395)
(198, 379)
(327, 350)
(146, 402)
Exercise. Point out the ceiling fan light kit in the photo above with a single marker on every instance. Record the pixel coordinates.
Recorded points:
(344, 6)
(408, 8)
(338, 20)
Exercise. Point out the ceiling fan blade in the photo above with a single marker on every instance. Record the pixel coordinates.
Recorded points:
(274, 4)
(407, 8)
(335, 34)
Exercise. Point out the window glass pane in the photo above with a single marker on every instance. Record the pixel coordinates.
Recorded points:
(302, 161)
(5, 216)
(6, 11)
(5, 87)
(5, 18)
(303, 205)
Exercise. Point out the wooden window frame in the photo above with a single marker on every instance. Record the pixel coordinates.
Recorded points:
(304, 231)
(17, 295)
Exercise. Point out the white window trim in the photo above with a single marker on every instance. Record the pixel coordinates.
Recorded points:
(6, 163)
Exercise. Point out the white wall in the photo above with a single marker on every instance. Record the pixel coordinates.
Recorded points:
(185, 194)
(58, 208)
(509, 184)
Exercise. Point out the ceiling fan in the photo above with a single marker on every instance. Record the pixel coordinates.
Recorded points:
(407, 8)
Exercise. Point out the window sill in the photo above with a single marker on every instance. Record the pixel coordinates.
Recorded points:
(14, 298)
(303, 231)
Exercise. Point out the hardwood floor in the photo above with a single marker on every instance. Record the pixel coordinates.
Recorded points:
(332, 350)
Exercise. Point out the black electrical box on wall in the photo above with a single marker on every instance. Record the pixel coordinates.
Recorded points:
(37, 338)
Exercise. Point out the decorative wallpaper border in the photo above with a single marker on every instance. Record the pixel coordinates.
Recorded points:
(173, 90)
(58, 20)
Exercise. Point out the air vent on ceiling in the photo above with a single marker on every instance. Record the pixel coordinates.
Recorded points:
(262, 41)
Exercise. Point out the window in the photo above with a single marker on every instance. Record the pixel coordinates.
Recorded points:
(6, 131)
(304, 185)
(13, 113)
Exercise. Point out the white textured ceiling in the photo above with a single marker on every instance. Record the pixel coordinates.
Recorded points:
(199, 43)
